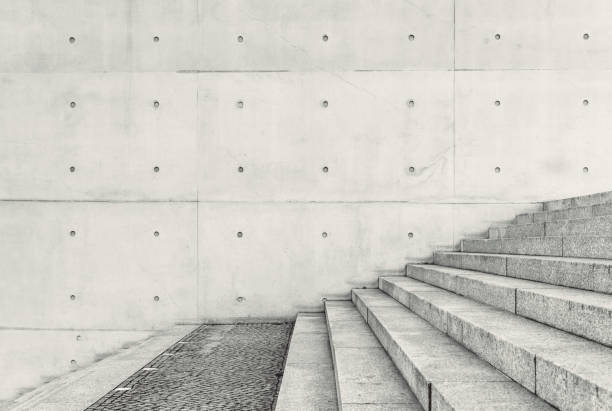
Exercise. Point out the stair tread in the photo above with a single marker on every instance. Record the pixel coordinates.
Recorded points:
(515, 344)
(584, 313)
(308, 378)
(584, 260)
(439, 370)
(365, 375)
(580, 296)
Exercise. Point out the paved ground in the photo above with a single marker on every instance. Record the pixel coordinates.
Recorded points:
(216, 367)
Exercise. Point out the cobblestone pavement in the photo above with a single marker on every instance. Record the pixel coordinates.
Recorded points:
(216, 367)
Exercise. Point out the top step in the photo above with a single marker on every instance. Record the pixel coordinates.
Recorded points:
(580, 201)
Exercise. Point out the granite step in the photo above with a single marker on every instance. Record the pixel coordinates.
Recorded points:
(567, 371)
(600, 226)
(565, 214)
(584, 313)
(366, 378)
(579, 201)
(582, 273)
(308, 380)
(442, 374)
(584, 246)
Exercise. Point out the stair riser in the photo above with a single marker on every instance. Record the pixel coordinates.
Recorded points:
(566, 214)
(593, 227)
(517, 231)
(592, 322)
(581, 246)
(575, 202)
(513, 359)
(586, 276)
(550, 246)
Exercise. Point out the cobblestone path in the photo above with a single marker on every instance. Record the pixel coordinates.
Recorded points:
(216, 367)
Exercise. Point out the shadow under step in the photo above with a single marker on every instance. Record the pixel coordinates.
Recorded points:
(582, 273)
(567, 371)
(366, 378)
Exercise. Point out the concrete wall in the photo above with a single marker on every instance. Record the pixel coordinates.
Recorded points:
(395, 99)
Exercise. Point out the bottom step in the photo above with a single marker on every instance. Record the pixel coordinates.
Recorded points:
(308, 380)
(366, 378)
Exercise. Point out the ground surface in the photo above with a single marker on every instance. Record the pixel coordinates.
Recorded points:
(216, 367)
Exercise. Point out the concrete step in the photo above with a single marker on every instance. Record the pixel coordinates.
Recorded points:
(442, 374)
(308, 380)
(552, 246)
(365, 375)
(582, 273)
(567, 371)
(565, 214)
(600, 226)
(580, 201)
(584, 313)
(576, 246)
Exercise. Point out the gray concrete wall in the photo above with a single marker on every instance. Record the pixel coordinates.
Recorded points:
(410, 136)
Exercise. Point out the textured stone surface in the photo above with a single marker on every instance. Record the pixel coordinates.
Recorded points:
(517, 345)
(308, 380)
(583, 273)
(365, 375)
(566, 214)
(580, 201)
(584, 313)
(494, 264)
(498, 396)
(528, 246)
(588, 247)
(594, 226)
(428, 358)
(214, 367)
(517, 231)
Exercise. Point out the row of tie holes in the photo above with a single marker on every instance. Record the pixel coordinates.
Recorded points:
(239, 234)
(325, 104)
(325, 37)
(240, 38)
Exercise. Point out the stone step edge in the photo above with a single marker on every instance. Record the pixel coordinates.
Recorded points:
(596, 210)
(580, 273)
(578, 201)
(543, 229)
(456, 324)
(431, 392)
(526, 300)
(599, 247)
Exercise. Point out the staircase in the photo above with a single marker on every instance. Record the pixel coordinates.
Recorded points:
(519, 321)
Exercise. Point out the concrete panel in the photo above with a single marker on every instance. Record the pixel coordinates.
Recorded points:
(108, 35)
(283, 264)
(541, 131)
(113, 265)
(533, 34)
(361, 34)
(374, 144)
(113, 136)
